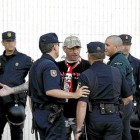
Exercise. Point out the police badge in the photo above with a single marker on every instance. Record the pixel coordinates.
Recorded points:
(9, 34)
(53, 73)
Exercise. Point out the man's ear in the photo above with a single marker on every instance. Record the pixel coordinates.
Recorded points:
(117, 47)
(104, 56)
(54, 47)
(89, 56)
(64, 49)
(2, 42)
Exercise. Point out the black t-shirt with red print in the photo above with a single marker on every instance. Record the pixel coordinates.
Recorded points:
(70, 106)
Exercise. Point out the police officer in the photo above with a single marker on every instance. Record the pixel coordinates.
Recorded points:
(46, 93)
(117, 59)
(14, 67)
(70, 70)
(106, 85)
(135, 63)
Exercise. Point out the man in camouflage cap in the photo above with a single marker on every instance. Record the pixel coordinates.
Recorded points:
(70, 70)
(72, 41)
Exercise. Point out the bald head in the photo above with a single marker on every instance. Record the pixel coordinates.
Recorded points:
(113, 44)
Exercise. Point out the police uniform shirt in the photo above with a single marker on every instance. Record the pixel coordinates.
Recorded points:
(105, 83)
(13, 70)
(70, 107)
(119, 60)
(135, 64)
(44, 76)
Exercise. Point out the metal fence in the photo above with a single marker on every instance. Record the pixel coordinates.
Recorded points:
(90, 20)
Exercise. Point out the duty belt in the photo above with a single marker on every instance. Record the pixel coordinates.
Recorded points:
(20, 95)
(42, 106)
(105, 108)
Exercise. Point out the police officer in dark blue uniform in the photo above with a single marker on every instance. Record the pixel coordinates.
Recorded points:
(14, 67)
(106, 84)
(113, 46)
(135, 63)
(45, 91)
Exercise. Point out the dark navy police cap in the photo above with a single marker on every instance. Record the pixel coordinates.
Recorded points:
(9, 35)
(50, 38)
(126, 38)
(96, 47)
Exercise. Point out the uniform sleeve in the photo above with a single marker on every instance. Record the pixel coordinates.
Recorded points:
(84, 82)
(125, 89)
(51, 77)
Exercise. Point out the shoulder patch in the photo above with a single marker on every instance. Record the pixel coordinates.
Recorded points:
(53, 73)
(16, 64)
(118, 63)
(32, 61)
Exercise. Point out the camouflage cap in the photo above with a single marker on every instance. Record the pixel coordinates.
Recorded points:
(72, 41)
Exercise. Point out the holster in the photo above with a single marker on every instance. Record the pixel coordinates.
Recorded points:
(55, 114)
(121, 107)
(34, 127)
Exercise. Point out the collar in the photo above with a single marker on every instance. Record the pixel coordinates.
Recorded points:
(15, 52)
(47, 56)
(130, 58)
(79, 59)
(97, 62)
(112, 57)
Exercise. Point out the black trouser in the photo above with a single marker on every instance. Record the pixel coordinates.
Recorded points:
(15, 134)
(104, 127)
(126, 135)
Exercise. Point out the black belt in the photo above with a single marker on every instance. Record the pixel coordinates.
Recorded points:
(98, 104)
(20, 96)
(105, 108)
(43, 106)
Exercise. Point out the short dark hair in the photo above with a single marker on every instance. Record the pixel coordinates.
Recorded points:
(46, 47)
(98, 55)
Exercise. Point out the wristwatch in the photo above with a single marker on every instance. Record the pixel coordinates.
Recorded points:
(76, 132)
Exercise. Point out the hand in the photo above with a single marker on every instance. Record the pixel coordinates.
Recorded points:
(77, 136)
(5, 91)
(81, 92)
